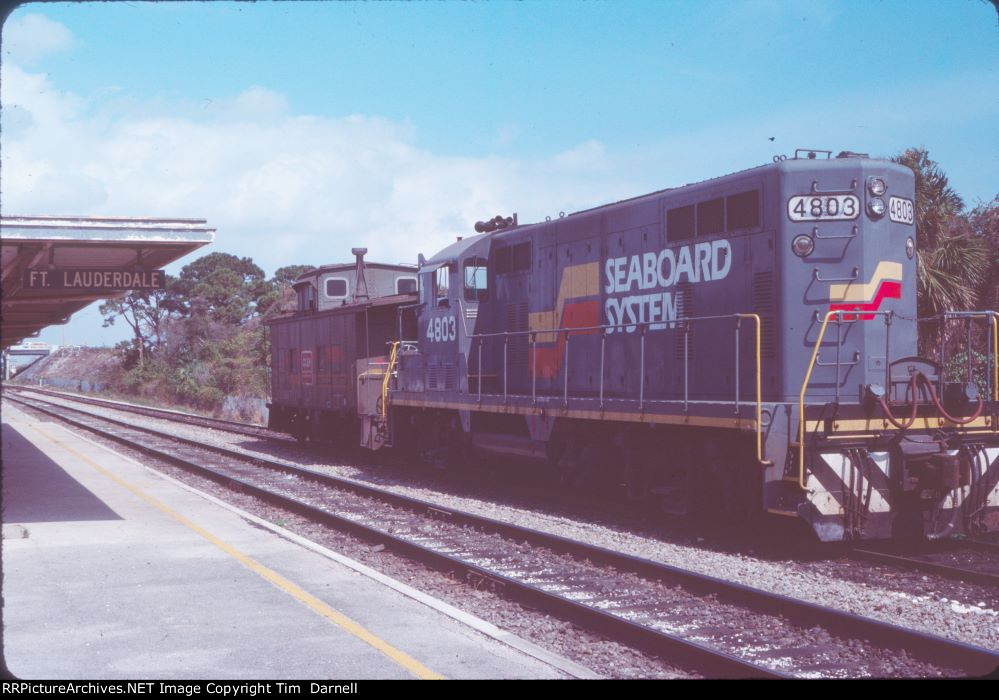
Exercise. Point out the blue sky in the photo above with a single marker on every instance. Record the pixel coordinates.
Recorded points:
(302, 129)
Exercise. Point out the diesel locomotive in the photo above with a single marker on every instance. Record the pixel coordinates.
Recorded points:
(742, 345)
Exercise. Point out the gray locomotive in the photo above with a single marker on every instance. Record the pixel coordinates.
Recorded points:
(742, 345)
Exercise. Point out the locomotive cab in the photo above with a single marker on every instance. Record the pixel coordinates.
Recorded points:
(453, 286)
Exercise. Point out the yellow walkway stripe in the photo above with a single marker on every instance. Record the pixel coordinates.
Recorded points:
(318, 606)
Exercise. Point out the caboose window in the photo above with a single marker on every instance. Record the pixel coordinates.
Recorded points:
(680, 223)
(306, 298)
(711, 217)
(743, 210)
(293, 361)
(405, 285)
(336, 288)
(476, 279)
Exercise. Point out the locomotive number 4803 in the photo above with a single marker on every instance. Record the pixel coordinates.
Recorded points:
(826, 207)
(900, 210)
(442, 329)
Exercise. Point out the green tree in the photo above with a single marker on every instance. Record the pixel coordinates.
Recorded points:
(953, 261)
(289, 273)
(279, 287)
(936, 201)
(220, 287)
(957, 259)
(984, 223)
(145, 311)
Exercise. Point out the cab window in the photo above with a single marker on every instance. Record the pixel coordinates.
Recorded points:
(441, 280)
(476, 279)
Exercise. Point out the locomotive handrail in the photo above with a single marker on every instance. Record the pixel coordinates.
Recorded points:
(388, 376)
(684, 322)
(759, 386)
(855, 273)
(808, 375)
(818, 236)
(992, 356)
(804, 387)
(856, 360)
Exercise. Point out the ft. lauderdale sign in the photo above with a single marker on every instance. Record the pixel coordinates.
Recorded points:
(94, 280)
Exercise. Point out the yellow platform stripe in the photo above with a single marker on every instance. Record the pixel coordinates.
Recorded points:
(316, 605)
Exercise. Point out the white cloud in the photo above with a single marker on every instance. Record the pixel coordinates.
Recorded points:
(280, 187)
(28, 38)
(288, 188)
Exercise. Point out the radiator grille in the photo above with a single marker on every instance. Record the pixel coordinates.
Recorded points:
(516, 320)
(764, 305)
(685, 309)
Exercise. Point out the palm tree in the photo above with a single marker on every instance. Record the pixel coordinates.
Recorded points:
(954, 259)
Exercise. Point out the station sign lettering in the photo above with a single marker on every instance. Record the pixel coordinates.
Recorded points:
(94, 280)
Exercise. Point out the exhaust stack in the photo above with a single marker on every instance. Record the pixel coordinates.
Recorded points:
(361, 286)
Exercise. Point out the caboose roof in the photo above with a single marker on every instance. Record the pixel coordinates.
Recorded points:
(350, 267)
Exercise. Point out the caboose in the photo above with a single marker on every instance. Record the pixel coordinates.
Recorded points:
(741, 345)
(346, 316)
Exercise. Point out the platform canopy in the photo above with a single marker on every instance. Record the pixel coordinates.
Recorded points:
(53, 266)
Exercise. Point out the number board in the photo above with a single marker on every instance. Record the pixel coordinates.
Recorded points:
(441, 329)
(825, 207)
(900, 210)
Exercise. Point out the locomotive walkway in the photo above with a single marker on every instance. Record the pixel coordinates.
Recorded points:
(114, 571)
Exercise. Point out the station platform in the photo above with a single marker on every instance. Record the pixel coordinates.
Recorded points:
(112, 570)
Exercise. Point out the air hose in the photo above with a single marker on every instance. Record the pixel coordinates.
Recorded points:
(886, 410)
(917, 378)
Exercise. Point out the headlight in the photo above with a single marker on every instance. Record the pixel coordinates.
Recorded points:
(876, 186)
(910, 247)
(803, 245)
(876, 207)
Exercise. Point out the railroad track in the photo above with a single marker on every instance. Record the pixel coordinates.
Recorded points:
(719, 628)
(164, 413)
(970, 561)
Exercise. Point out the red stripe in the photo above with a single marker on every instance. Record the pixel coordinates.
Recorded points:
(886, 290)
(580, 314)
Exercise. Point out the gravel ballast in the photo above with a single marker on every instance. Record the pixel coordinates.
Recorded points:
(954, 610)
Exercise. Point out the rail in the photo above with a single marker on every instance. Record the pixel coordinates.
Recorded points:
(643, 328)
(992, 359)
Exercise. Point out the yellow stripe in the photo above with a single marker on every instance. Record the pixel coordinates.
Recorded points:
(318, 606)
(577, 281)
(561, 412)
(865, 292)
(879, 424)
